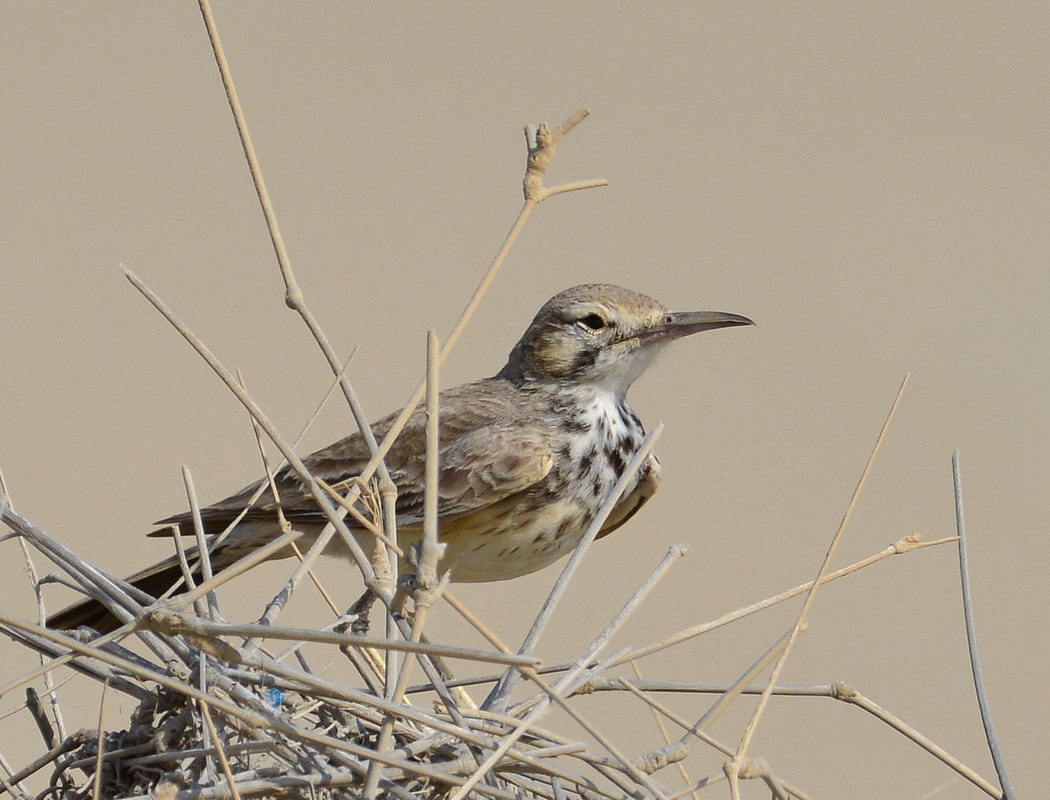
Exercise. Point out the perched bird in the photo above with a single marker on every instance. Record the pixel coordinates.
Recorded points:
(526, 457)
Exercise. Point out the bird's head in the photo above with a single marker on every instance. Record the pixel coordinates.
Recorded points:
(603, 335)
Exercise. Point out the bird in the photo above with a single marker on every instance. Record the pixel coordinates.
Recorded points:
(526, 457)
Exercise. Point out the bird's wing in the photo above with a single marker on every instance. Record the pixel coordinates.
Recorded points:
(475, 470)
(485, 456)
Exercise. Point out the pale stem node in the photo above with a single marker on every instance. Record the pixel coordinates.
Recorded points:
(541, 143)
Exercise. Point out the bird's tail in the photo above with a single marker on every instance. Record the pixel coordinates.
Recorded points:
(154, 581)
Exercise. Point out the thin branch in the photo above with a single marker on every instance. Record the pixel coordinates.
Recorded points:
(34, 579)
(220, 752)
(850, 695)
(497, 698)
(905, 545)
(176, 623)
(803, 614)
(254, 718)
(565, 683)
(96, 789)
(971, 638)
(430, 551)
(208, 606)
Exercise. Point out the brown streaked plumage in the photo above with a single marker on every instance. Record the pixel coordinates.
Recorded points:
(526, 457)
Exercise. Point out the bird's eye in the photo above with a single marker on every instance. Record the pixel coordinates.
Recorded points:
(592, 322)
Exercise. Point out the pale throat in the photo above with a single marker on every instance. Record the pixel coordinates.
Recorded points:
(610, 434)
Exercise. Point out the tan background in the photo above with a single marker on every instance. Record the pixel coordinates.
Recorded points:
(868, 181)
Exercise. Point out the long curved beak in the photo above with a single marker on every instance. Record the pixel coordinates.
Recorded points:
(685, 323)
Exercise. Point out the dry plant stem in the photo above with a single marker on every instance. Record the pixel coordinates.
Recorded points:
(763, 699)
(901, 546)
(477, 624)
(303, 569)
(184, 563)
(220, 753)
(720, 705)
(208, 606)
(850, 695)
(98, 585)
(428, 586)
(284, 786)
(660, 708)
(430, 550)
(334, 517)
(217, 540)
(664, 734)
(564, 685)
(274, 606)
(236, 569)
(971, 637)
(426, 568)
(319, 496)
(179, 624)
(677, 751)
(100, 744)
(141, 754)
(681, 687)
(936, 790)
(426, 579)
(355, 512)
(43, 724)
(300, 680)
(318, 583)
(249, 150)
(67, 745)
(255, 719)
(208, 735)
(497, 698)
(293, 294)
(14, 791)
(703, 783)
(732, 773)
(534, 177)
(34, 578)
(638, 775)
(795, 792)
(572, 678)
(60, 658)
(541, 151)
